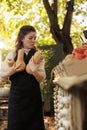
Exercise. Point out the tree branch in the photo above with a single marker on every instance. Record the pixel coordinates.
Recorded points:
(51, 11)
(54, 7)
(52, 14)
(68, 17)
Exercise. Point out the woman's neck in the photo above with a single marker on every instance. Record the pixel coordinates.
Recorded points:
(26, 50)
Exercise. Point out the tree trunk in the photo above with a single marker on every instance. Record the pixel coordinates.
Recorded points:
(61, 36)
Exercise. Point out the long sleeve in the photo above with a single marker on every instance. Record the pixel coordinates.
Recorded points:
(40, 74)
(4, 66)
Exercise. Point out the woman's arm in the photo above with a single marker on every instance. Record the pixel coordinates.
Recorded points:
(38, 70)
(7, 71)
(40, 75)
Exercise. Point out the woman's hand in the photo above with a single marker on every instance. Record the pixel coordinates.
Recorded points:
(20, 67)
(8, 71)
(11, 70)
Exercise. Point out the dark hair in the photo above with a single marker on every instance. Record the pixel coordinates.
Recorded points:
(24, 30)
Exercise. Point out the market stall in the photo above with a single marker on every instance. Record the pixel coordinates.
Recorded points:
(70, 98)
(4, 93)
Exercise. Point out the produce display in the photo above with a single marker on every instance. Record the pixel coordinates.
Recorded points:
(4, 88)
(62, 109)
(72, 71)
(74, 64)
(80, 52)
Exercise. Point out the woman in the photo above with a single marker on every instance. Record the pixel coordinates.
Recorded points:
(25, 103)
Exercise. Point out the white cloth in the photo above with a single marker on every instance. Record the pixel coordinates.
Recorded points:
(67, 82)
(35, 67)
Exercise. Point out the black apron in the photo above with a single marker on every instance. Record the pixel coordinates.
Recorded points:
(25, 102)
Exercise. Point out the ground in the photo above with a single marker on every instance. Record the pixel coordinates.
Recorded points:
(48, 121)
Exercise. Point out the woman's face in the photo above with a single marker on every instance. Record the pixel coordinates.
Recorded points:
(29, 40)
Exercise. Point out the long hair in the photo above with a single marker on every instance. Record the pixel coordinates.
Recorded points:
(24, 30)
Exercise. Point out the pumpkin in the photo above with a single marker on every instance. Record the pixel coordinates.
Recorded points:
(38, 57)
(1, 84)
(11, 62)
(20, 65)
